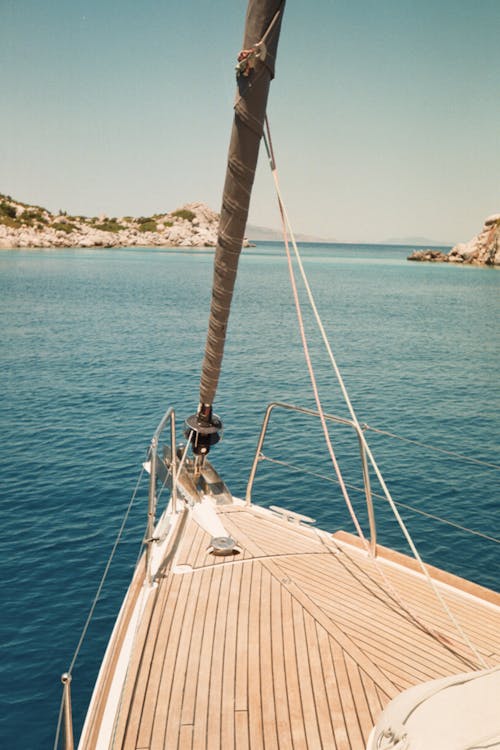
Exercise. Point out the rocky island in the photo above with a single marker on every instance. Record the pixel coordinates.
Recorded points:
(25, 226)
(482, 250)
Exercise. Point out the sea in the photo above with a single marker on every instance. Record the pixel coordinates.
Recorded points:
(98, 343)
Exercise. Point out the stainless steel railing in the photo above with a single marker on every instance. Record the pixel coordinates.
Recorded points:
(169, 416)
(339, 420)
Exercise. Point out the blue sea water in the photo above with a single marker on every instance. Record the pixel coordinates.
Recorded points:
(96, 344)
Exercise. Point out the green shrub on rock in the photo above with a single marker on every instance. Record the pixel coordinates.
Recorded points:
(111, 225)
(184, 213)
(148, 226)
(63, 226)
(6, 209)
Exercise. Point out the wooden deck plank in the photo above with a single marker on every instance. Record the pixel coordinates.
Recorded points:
(215, 705)
(190, 544)
(185, 738)
(416, 590)
(336, 594)
(422, 602)
(202, 557)
(291, 673)
(241, 730)
(348, 701)
(267, 686)
(305, 682)
(149, 677)
(332, 689)
(295, 539)
(241, 681)
(204, 672)
(253, 662)
(227, 735)
(318, 683)
(425, 658)
(278, 669)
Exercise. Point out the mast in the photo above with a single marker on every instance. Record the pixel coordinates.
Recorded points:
(255, 70)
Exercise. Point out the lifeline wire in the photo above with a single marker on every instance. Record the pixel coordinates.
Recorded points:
(287, 229)
(410, 508)
(105, 574)
(454, 454)
(96, 599)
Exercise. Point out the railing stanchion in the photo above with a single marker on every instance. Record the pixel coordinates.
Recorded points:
(69, 743)
(368, 495)
(253, 471)
(173, 463)
(169, 416)
(337, 420)
(151, 505)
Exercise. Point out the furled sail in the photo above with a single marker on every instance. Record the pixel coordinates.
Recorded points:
(255, 71)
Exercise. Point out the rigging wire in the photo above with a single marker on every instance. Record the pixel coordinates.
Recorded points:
(288, 231)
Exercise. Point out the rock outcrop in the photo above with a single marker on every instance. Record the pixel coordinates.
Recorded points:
(24, 226)
(482, 250)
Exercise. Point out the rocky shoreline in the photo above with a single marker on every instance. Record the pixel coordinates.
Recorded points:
(482, 250)
(25, 226)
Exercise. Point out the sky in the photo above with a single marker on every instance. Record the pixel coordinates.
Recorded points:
(385, 115)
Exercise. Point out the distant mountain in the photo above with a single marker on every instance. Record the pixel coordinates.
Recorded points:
(419, 241)
(254, 232)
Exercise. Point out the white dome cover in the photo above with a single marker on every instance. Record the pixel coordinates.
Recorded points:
(461, 712)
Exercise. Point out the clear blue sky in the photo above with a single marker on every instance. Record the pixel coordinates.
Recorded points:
(385, 115)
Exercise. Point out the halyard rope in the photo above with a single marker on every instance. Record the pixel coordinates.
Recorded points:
(269, 148)
(287, 230)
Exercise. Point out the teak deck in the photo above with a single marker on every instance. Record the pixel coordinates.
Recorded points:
(298, 641)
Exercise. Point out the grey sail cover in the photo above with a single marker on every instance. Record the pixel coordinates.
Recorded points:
(263, 23)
